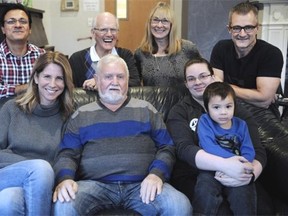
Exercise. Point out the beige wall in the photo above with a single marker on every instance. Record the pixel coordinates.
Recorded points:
(64, 28)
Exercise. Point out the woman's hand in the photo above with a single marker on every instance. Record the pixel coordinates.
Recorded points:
(232, 182)
(237, 167)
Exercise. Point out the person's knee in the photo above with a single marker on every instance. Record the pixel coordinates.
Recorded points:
(183, 204)
(175, 202)
(40, 164)
(207, 185)
(65, 208)
(40, 174)
(41, 169)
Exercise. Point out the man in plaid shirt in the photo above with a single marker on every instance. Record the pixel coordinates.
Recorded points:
(17, 56)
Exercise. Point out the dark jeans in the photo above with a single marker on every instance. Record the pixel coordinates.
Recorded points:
(93, 196)
(209, 194)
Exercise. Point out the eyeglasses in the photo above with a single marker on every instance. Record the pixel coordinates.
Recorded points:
(201, 78)
(238, 29)
(13, 21)
(155, 21)
(106, 30)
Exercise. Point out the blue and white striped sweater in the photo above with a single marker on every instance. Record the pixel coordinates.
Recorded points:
(124, 145)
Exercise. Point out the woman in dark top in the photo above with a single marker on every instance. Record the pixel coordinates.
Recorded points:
(161, 56)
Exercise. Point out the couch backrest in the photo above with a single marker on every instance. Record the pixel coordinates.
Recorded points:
(162, 98)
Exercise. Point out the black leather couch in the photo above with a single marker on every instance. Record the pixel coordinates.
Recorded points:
(272, 185)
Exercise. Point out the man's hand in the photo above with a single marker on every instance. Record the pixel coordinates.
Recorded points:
(20, 88)
(150, 187)
(65, 191)
(90, 84)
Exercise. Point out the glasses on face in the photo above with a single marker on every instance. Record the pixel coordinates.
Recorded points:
(13, 21)
(238, 29)
(156, 21)
(106, 30)
(201, 78)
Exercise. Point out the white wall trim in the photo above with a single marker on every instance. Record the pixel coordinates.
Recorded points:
(274, 28)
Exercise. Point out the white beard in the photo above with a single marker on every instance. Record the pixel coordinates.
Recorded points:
(111, 98)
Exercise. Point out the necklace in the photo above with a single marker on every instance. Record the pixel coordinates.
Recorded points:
(158, 63)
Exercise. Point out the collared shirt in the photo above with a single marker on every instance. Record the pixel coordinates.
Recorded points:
(95, 58)
(94, 55)
(15, 70)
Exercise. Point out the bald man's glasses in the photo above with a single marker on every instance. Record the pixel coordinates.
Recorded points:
(106, 30)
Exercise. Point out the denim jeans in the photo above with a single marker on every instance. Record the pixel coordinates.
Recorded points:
(93, 196)
(14, 198)
(209, 193)
(26, 188)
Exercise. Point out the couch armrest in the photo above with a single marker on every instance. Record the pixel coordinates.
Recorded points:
(275, 175)
(274, 137)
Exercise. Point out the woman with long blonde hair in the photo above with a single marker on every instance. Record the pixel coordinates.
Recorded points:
(161, 56)
(30, 131)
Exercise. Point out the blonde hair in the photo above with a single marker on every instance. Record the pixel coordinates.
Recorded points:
(148, 43)
(28, 101)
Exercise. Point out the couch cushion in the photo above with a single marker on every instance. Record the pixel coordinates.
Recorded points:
(162, 98)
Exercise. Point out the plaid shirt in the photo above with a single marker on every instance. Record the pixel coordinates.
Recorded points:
(16, 70)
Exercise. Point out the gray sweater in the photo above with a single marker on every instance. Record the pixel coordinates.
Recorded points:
(29, 136)
(166, 70)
